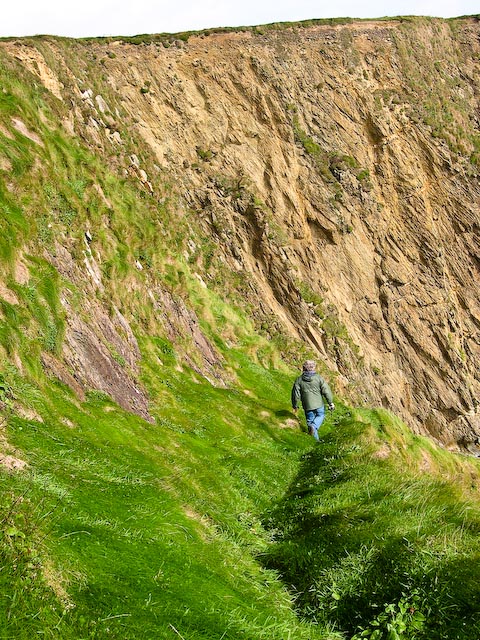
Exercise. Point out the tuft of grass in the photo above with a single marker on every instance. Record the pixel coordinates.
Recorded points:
(14, 227)
(314, 150)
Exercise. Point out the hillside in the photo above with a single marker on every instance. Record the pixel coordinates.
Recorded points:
(331, 171)
(184, 220)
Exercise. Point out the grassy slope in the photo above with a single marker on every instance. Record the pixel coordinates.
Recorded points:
(152, 527)
(123, 529)
(379, 532)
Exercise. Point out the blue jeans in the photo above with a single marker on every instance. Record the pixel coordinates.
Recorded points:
(315, 417)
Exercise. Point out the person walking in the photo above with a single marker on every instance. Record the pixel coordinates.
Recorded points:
(310, 389)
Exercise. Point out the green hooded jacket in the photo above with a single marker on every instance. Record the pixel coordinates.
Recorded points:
(310, 390)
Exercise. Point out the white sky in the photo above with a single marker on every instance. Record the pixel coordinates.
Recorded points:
(131, 17)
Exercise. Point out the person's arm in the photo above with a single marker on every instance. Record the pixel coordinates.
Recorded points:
(295, 396)
(326, 393)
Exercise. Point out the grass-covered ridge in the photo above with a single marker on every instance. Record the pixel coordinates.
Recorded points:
(167, 39)
(378, 534)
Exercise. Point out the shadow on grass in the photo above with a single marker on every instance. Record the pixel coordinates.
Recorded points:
(284, 413)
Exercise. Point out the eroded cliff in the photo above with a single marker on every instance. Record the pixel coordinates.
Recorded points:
(329, 176)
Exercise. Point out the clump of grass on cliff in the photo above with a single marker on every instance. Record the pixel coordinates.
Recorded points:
(319, 155)
(379, 534)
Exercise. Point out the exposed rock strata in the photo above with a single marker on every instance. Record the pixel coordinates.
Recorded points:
(309, 156)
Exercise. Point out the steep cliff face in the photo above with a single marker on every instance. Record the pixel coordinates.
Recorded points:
(329, 175)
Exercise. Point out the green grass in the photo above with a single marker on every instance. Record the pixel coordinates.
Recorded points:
(219, 522)
(145, 528)
(14, 225)
(374, 535)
